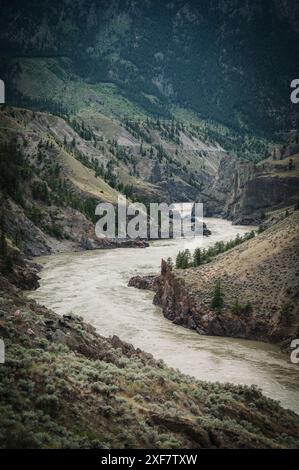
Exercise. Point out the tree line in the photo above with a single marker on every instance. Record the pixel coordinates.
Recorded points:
(185, 260)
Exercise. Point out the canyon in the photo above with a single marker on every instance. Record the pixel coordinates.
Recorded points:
(163, 102)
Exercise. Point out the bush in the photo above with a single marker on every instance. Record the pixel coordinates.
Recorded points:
(48, 403)
(239, 308)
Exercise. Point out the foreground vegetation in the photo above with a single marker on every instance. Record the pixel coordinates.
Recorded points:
(64, 386)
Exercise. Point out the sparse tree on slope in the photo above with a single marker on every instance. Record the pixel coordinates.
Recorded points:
(217, 300)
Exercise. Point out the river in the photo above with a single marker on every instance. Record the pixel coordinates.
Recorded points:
(93, 284)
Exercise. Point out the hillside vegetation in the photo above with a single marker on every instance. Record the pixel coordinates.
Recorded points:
(64, 386)
(159, 55)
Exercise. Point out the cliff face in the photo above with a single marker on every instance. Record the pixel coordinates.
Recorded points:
(228, 185)
(243, 191)
(263, 193)
(261, 272)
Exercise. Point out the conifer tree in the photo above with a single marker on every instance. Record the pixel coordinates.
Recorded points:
(197, 257)
(217, 300)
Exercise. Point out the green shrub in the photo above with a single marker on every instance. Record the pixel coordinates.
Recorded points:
(239, 308)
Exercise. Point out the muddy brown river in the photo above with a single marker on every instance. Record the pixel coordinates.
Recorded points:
(94, 285)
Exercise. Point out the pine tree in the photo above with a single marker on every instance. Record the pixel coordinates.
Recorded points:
(183, 259)
(178, 261)
(218, 300)
(186, 257)
(8, 264)
(197, 257)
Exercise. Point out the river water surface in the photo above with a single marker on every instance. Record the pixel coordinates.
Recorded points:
(93, 285)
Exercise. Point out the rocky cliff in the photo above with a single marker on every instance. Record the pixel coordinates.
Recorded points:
(248, 192)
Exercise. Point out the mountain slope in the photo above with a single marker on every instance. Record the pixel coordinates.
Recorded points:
(158, 97)
(226, 62)
(48, 195)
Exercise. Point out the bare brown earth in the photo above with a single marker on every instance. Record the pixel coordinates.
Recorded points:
(263, 271)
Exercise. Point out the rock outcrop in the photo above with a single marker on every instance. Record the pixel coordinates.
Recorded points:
(18, 270)
(144, 282)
